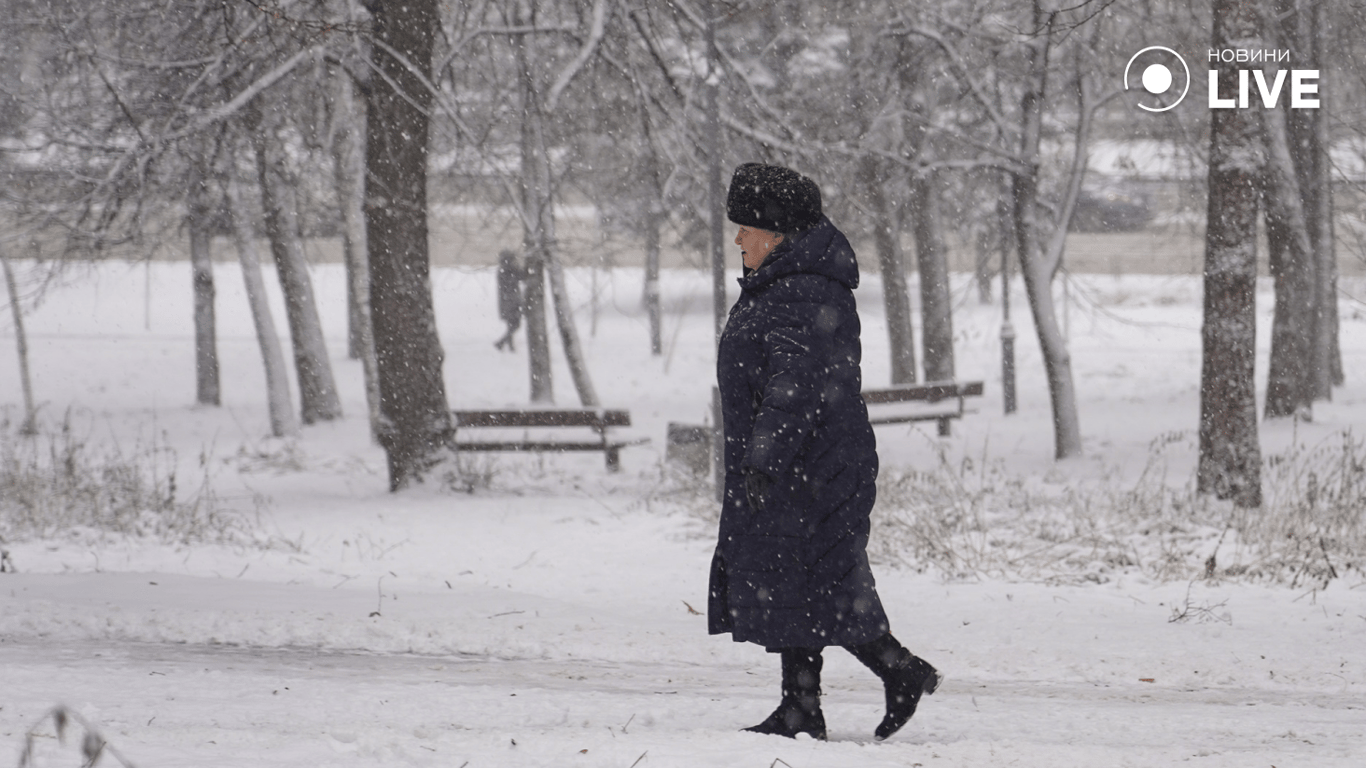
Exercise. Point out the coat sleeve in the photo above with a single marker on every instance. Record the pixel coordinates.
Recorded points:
(792, 394)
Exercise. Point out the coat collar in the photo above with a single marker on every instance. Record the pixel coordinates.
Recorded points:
(822, 250)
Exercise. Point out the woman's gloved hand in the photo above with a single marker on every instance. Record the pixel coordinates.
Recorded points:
(757, 487)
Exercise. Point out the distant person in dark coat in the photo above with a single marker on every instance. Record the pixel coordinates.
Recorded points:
(791, 568)
(510, 276)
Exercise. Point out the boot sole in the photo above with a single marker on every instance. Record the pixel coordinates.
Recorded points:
(817, 735)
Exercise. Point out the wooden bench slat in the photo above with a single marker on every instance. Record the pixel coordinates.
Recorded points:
(536, 446)
(909, 417)
(931, 392)
(574, 418)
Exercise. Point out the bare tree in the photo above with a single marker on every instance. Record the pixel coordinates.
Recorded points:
(1327, 347)
(1290, 376)
(916, 67)
(348, 161)
(538, 222)
(199, 215)
(892, 264)
(29, 425)
(125, 102)
(416, 422)
(1012, 107)
(317, 387)
(283, 422)
(1040, 259)
(654, 221)
(1290, 197)
(1299, 26)
(876, 98)
(539, 102)
(936, 303)
(1230, 454)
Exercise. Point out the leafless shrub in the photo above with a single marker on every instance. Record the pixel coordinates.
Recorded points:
(465, 473)
(56, 483)
(1312, 527)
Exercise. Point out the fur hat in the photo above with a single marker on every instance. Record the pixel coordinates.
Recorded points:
(774, 198)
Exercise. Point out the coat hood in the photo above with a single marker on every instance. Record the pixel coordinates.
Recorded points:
(822, 250)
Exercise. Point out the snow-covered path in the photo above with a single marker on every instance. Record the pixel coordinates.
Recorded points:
(552, 609)
(217, 705)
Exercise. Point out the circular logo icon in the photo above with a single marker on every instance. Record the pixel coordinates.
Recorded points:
(1157, 78)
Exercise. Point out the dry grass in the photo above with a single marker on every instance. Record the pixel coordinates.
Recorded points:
(58, 484)
(1313, 525)
(972, 518)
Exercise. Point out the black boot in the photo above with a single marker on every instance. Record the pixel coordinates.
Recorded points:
(904, 675)
(800, 709)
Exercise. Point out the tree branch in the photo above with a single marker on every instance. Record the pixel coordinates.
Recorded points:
(1087, 106)
(585, 53)
(223, 111)
(963, 73)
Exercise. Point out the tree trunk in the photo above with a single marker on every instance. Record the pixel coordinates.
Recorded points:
(989, 240)
(900, 334)
(569, 335)
(907, 135)
(282, 420)
(207, 386)
(540, 187)
(1230, 454)
(1296, 372)
(936, 300)
(1290, 378)
(716, 212)
(1038, 275)
(1057, 360)
(415, 419)
(540, 197)
(537, 333)
(317, 388)
(536, 219)
(652, 308)
(30, 424)
(654, 217)
(1327, 349)
(349, 171)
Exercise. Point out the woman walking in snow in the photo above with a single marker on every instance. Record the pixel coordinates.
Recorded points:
(791, 568)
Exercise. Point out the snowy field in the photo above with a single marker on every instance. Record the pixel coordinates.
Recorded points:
(545, 618)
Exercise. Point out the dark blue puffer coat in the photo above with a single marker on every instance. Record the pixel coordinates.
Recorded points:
(796, 574)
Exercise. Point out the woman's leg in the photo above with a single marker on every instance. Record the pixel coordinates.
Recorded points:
(905, 678)
(800, 709)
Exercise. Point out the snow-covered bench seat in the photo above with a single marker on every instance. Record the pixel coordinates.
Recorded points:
(941, 401)
(537, 427)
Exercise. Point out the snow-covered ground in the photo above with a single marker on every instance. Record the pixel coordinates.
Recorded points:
(546, 620)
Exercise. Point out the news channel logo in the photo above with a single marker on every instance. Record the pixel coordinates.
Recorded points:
(1156, 76)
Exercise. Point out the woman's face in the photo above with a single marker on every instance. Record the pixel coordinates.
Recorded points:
(755, 245)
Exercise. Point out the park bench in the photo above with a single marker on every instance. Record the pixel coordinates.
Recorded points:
(598, 421)
(921, 402)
